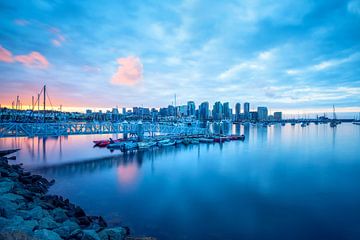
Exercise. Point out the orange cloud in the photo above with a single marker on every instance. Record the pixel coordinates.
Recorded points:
(129, 72)
(5, 55)
(59, 38)
(34, 59)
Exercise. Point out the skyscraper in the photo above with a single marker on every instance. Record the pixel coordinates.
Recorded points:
(247, 111)
(237, 111)
(217, 111)
(204, 111)
(262, 113)
(191, 108)
(226, 111)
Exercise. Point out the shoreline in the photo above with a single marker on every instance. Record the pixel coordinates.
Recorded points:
(28, 212)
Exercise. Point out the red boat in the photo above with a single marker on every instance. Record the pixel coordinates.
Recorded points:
(104, 143)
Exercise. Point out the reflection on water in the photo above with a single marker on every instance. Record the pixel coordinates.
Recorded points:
(280, 183)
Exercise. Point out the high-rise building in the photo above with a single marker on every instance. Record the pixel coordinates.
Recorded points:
(182, 110)
(204, 111)
(191, 108)
(226, 111)
(217, 111)
(262, 113)
(237, 111)
(247, 111)
(124, 111)
(171, 110)
(277, 116)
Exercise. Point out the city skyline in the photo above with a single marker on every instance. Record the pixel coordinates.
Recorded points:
(294, 57)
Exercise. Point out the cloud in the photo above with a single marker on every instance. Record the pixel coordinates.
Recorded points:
(58, 39)
(5, 55)
(34, 59)
(129, 72)
(331, 63)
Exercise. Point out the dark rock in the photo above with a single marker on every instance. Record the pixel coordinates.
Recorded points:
(117, 233)
(48, 223)
(59, 215)
(84, 221)
(46, 234)
(90, 235)
(12, 158)
(79, 212)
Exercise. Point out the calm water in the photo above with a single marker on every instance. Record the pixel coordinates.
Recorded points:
(280, 183)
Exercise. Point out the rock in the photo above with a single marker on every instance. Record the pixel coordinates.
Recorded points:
(46, 234)
(6, 186)
(59, 215)
(36, 213)
(9, 208)
(79, 212)
(12, 197)
(77, 234)
(48, 223)
(117, 233)
(90, 235)
(66, 228)
(84, 221)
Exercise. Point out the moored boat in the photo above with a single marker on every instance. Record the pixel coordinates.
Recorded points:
(206, 140)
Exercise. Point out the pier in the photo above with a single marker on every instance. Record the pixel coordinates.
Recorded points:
(69, 128)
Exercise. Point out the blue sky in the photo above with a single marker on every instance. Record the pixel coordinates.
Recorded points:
(291, 55)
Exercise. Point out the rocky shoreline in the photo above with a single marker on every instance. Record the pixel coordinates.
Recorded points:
(27, 212)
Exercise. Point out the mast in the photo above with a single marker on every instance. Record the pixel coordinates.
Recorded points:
(44, 100)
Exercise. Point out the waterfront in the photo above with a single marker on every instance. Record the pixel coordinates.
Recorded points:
(280, 183)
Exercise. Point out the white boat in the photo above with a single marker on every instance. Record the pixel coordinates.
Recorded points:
(129, 146)
(170, 143)
(206, 140)
(146, 145)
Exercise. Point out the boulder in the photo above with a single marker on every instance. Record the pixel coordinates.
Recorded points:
(36, 213)
(59, 215)
(12, 197)
(6, 186)
(46, 234)
(66, 228)
(48, 223)
(116, 233)
(90, 235)
(9, 208)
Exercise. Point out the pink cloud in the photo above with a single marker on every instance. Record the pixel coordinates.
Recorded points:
(129, 72)
(34, 59)
(58, 39)
(5, 55)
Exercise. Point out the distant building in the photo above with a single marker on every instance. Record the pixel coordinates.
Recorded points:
(246, 111)
(115, 111)
(253, 116)
(182, 110)
(262, 113)
(237, 111)
(163, 112)
(227, 111)
(171, 110)
(217, 111)
(191, 108)
(277, 116)
(204, 111)
(124, 111)
(88, 111)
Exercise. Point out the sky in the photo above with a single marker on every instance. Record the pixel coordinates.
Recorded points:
(288, 55)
